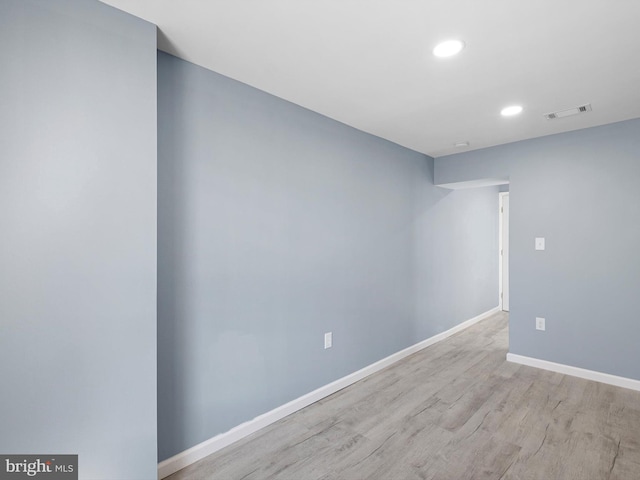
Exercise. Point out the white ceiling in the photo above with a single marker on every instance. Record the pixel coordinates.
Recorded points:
(368, 63)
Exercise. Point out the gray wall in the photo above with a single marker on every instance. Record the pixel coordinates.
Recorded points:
(78, 235)
(276, 225)
(580, 191)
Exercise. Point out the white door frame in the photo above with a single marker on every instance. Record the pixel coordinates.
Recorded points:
(503, 251)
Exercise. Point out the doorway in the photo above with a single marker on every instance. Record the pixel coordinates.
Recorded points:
(503, 244)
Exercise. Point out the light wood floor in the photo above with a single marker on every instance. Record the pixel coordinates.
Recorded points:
(456, 410)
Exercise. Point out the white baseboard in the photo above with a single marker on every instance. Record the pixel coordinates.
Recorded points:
(198, 452)
(576, 372)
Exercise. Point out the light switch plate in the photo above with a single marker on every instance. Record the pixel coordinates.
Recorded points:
(539, 243)
(328, 340)
(540, 323)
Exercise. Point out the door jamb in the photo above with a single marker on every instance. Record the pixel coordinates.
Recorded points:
(501, 196)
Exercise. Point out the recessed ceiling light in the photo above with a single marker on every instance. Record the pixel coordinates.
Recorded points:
(448, 48)
(511, 110)
(461, 144)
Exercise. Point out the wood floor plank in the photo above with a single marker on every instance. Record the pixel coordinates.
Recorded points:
(456, 410)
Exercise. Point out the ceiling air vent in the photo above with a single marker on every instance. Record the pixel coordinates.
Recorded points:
(567, 113)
